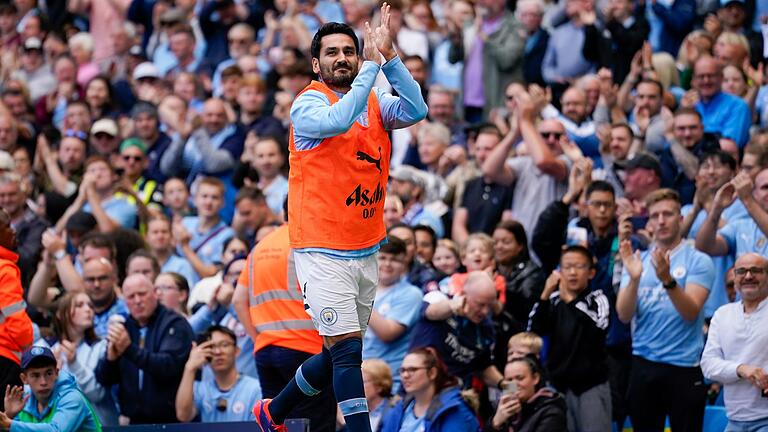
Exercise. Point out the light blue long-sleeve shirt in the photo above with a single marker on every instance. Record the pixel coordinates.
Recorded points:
(71, 412)
(314, 118)
(563, 58)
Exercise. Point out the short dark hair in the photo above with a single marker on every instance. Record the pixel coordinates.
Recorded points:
(394, 246)
(722, 156)
(98, 240)
(429, 230)
(329, 29)
(143, 253)
(414, 57)
(579, 249)
(687, 111)
(600, 186)
(652, 82)
(625, 126)
(251, 193)
(208, 334)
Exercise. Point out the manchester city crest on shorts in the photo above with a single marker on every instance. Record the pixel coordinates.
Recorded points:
(329, 316)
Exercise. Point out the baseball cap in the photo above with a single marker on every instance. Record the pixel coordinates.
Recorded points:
(133, 142)
(105, 125)
(37, 356)
(33, 43)
(144, 107)
(81, 222)
(408, 173)
(146, 70)
(646, 161)
(6, 161)
(724, 3)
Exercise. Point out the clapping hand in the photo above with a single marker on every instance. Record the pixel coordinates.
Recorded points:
(661, 264)
(632, 262)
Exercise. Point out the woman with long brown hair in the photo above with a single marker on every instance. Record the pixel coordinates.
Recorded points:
(79, 350)
(433, 400)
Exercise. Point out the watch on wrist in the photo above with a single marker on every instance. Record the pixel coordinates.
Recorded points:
(669, 285)
(59, 254)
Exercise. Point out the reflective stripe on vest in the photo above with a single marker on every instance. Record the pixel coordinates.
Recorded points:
(275, 294)
(12, 309)
(287, 325)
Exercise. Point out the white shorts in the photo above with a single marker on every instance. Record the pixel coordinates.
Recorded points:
(339, 293)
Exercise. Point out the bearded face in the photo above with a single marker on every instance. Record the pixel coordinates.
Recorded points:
(338, 62)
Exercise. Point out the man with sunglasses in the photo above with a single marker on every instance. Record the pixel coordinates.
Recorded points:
(134, 162)
(223, 396)
(735, 353)
(540, 176)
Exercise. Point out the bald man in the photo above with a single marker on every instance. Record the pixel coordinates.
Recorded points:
(146, 355)
(736, 354)
(461, 330)
(721, 113)
(210, 150)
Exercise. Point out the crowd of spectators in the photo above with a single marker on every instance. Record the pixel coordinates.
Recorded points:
(587, 199)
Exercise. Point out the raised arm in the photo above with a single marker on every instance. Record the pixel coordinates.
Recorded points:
(708, 240)
(626, 302)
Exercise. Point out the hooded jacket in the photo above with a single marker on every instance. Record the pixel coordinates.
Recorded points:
(544, 412)
(67, 410)
(447, 413)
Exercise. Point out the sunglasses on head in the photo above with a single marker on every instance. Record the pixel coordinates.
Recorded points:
(71, 133)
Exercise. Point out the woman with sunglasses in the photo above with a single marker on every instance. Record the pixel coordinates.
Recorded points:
(78, 350)
(433, 400)
(526, 404)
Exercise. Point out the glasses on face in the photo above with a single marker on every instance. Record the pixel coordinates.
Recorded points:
(97, 279)
(71, 133)
(601, 204)
(569, 267)
(222, 346)
(547, 135)
(129, 158)
(742, 271)
(409, 370)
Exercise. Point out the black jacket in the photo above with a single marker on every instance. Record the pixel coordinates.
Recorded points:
(544, 412)
(615, 45)
(166, 348)
(576, 330)
(534, 57)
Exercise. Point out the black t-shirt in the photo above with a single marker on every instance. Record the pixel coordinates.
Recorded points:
(486, 203)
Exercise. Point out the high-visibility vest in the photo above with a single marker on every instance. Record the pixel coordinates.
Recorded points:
(16, 332)
(276, 303)
(337, 189)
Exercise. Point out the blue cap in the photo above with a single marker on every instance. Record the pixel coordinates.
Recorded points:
(40, 356)
(724, 3)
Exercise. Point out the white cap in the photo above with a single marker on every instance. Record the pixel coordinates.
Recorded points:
(33, 43)
(105, 125)
(6, 161)
(146, 70)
